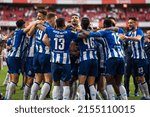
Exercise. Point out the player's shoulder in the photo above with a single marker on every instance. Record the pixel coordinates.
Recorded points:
(139, 30)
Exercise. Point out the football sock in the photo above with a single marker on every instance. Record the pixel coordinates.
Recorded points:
(6, 79)
(44, 91)
(110, 92)
(27, 90)
(123, 92)
(11, 90)
(56, 93)
(7, 88)
(104, 95)
(34, 91)
(81, 92)
(66, 92)
(92, 92)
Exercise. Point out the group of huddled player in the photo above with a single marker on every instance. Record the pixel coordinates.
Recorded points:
(80, 60)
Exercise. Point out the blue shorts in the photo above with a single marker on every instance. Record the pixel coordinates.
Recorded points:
(89, 68)
(115, 66)
(61, 72)
(139, 67)
(29, 67)
(41, 63)
(14, 65)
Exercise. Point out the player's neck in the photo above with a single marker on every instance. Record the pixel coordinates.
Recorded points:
(134, 29)
(60, 28)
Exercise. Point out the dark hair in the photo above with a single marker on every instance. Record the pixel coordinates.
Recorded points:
(20, 23)
(44, 12)
(50, 15)
(107, 23)
(112, 18)
(60, 22)
(132, 18)
(85, 22)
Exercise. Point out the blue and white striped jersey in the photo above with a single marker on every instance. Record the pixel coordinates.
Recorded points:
(17, 43)
(31, 48)
(113, 44)
(60, 44)
(9, 43)
(40, 47)
(137, 46)
(87, 48)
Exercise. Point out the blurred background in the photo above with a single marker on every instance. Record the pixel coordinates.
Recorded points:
(96, 10)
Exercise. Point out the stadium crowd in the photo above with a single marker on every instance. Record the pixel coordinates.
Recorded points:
(28, 13)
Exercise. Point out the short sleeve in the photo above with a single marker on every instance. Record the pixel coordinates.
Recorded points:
(140, 32)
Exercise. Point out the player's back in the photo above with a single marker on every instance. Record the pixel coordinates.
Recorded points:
(60, 45)
(17, 43)
(87, 48)
(114, 46)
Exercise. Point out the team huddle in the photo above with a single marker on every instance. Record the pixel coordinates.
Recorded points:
(81, 61)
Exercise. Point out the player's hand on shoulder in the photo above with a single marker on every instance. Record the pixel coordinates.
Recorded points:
(122, 37)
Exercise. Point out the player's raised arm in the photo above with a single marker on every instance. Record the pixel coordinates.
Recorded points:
(136, 38)
(8, 36)
(31, 28)
(27, 28)
(41, 27)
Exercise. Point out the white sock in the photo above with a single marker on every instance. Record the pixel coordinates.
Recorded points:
(44, 91)
(11, 90)
(7, 88)
(6, 79)
(123, 92)
(145, 87)
(141, 89)
(81, 89)
(98, 97)
(34, 91)
(92, 92)
(56, 93)
(104, 95)
(66, 92)
(26, 94)
(110, 91)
